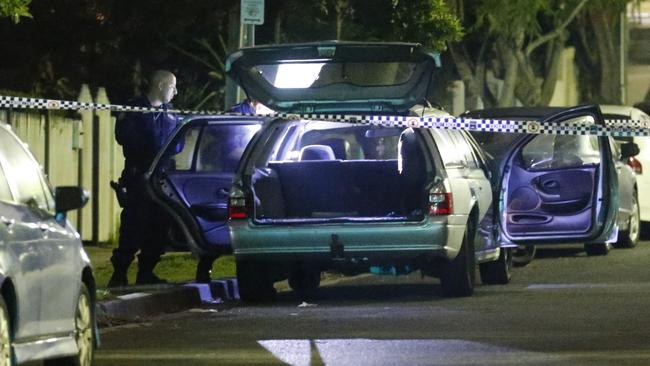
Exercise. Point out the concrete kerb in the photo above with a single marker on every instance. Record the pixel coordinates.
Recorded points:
(141, 302)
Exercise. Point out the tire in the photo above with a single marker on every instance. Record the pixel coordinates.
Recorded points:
(254, 281)
(6, 350)
(630, 238)
(84, 323)
(645, 230)
(302, 280)
(523, 255)
(497, 272)
(457, 276)
(597, 249)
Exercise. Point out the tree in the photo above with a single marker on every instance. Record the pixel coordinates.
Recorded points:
(519, 42)
(15, 9)
(595, 35)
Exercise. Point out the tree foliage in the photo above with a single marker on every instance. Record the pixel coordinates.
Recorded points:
(521, 42)
(114, 43)
(15, 9)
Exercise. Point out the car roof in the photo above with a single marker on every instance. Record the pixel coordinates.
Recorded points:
(516, 113)
(633, 113)
(223, 119)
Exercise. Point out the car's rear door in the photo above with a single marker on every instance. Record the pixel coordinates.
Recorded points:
(194, 174)
(560, 188)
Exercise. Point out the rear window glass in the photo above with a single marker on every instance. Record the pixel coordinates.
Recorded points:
(336, 141)
(317, 74)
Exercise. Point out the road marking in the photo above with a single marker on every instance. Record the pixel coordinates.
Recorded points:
(559, 286)
(361, 352)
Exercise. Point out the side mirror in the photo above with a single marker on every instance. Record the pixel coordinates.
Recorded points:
(629, 149)
(69, 198)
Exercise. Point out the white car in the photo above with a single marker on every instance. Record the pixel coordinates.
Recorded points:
(47, 289)
(641, 162)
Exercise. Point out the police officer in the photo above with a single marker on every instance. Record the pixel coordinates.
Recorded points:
(142, 135)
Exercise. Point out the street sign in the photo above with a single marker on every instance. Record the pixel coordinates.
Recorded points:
(252, 12)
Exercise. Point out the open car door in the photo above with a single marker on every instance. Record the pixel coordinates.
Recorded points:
(560, 188)
(191, 178)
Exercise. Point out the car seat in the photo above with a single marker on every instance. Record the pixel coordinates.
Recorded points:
(316, 152)
(411, 164)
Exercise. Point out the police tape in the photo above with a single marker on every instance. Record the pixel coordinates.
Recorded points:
(616, 128)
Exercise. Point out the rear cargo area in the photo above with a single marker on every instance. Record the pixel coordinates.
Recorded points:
(336, 189)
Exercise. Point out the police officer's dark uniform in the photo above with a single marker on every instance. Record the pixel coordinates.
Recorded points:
(141, 135)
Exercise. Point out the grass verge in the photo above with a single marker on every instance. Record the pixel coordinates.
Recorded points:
(177, 267)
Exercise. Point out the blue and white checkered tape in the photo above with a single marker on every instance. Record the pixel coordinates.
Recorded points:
(622, 128)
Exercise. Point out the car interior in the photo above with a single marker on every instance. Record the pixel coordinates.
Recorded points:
(350, 172)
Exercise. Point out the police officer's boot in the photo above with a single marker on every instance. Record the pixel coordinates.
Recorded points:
(204, 269)
(145, 272)
(118, 279)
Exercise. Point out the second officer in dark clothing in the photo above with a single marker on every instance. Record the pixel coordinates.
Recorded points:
(142, 135)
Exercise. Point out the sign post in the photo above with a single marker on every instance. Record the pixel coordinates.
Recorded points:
(251, 13)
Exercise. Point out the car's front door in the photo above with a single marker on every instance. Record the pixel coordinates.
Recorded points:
(195, 172)
(560, 188)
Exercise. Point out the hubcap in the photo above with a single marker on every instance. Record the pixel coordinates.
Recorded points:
(84, 330)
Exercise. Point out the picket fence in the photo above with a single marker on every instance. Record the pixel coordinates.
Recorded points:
(77, 148)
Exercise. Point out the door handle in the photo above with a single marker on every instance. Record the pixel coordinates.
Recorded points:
(44, 227)
(223, 192)
(551, 184)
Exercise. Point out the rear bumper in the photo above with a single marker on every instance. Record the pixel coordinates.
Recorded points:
(369, 242)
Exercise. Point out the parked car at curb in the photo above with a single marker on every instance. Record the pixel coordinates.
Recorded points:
(47, 293)
(310, 195)
(575, 187)
(355, 188)
(639, 163)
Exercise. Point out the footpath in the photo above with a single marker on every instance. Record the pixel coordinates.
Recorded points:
(136, 303)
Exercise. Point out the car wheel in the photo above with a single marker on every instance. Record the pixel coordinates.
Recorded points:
(523, 254)
(84, 323)
(629, 238)
(497, 272)
(458, 275)
(597, 249)
(302, 280)
(6, 351)
(254, 282)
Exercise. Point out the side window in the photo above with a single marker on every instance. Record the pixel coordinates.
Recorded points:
(182, 160)
(23, 171)
(5, 191)
(463, 148)
(560, 151)
(221, 147)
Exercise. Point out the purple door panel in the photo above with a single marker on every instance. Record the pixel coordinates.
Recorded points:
(545, 201)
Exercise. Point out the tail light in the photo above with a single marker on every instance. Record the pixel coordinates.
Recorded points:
(237, 207)
(635, 165)
(440, 199)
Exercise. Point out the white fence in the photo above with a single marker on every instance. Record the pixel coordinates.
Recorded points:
(77, 148)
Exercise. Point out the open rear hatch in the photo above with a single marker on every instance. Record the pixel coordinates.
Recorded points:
(331, 77)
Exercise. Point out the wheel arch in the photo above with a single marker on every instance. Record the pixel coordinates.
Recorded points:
(88, 279)
(8, 292)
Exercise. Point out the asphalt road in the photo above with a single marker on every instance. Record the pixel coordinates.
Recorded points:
(563, 309)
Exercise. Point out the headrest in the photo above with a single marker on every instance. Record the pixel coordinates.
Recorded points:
(316, 152)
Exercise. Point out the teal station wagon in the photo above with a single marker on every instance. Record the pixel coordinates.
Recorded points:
(311, 195)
